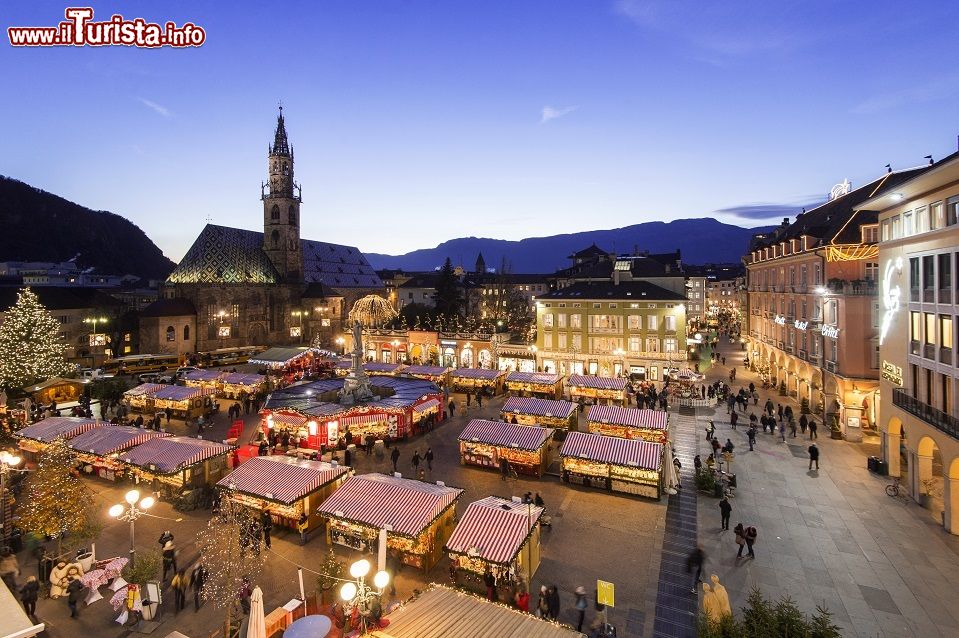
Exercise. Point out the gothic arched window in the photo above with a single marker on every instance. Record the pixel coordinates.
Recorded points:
(275, 213)
(186, 333)
(170, 334)
(275, 237)
(292, 215)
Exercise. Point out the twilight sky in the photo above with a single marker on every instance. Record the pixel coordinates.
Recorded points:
(418, 121)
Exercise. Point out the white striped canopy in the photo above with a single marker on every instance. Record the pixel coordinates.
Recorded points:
(108, 439)
(494, 529)
(523, 437)
(144, 389)
(295, 420)
(361, 419)
(55, 427)
(429, 404)
(599, 383)
(172, 454)
(281, 478)
(204, 375)
(632, 417)
(378, 500)
(477, 373)
(433, 371)
(181, 392)
(539, 407)
(613, 450)
(542, 378)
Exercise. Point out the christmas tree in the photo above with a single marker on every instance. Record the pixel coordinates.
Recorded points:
(30, 346)
(57, 502)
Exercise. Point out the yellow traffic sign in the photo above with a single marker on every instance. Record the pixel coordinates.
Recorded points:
(605, 593)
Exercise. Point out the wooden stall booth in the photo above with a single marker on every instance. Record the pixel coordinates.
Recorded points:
(500, 535)
(592, 390)
(186, 403)
(285, 486)
(98, 449)
(437, 374)
(634, 466)
(289, 364)
(35, 438)
(488, 443)
(56, 390)
(176, 463)
(140, 398)
(372, 368)
(561, 415)
(535, 384)
(238, 385)
(419, 516)
(473, 379)
(628, 423)
(205, 378)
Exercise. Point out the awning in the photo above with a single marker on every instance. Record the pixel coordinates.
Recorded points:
(378, 500)
(144, 389)
(523, 437)
(240, 378)
(426, 406)
(281, 478)
(55, 427)
(539, 407)
(632, 417)
(295, 420)
(108, 439)
(361, 419)
(181, 393)
(477, 373)
(204, 375)
(427, 371)
(613, 450)
(493, 529)
(598, 383)
(538, 378)
(168, 455)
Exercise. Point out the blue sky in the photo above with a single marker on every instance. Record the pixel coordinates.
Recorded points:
(415, 122)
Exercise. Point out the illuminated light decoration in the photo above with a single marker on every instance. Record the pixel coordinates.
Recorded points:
(780, 320)
(223, 331)
(890, 296)
(830, 331)
(800, 325)
(840, 189)
(891, 372)
(851, 252)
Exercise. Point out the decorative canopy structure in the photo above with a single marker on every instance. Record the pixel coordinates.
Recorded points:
(539, 407)
(170, 455)
(108, 439)
(598, 383)
(281, 478)
(55, 427)
(632, 417)
(372, 310)
(494, 529)
(613, 450)
(523, 437)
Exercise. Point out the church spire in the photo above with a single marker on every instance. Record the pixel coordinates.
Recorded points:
(280, 144)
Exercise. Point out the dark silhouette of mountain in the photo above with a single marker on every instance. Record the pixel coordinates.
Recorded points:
(700, 240)
(40, 226)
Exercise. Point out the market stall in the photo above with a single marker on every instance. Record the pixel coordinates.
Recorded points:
(419, 516)
(487, 443)
(473, 379)
(175, 463)
(535, 384)
(500, 535)
(285, 486)
(186, 403)
(97, 449)
(628, 423)
(372, 368)
(621, 465)
(140, 398)
(289, 364)
(562, 415)
(588, 389)
(35, 438)
(437, 374)
(237, 385)
(56, 390)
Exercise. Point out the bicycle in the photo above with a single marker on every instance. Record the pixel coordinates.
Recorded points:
(895, 488)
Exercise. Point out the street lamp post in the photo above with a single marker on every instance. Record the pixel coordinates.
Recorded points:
(341, 343)
(134, 509)
(360, 594)
(8, 463)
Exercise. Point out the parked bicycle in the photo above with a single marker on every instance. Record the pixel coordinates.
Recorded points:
(895, 488)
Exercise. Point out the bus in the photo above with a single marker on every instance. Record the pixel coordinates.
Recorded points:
(228, 356)
(138, 363)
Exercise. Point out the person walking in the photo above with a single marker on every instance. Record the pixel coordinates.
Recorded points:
(695, 561)
(750, 537)
(395, 456)
(782, 431)
(769, 407)
(814, 456)
(803, 423)
(734, 419)
(740, 533)
(792, 427)
(169, 559)
(197, 581)
(304, 523)
(725, 510)
(479, 398)
(244, 595)
(179, 591)
(429, 458)
(751, 435)
(416, 460)
(490, 581)
(542, 604)
(28, 596)
(9, 569)
(552, 599)
(74, 590)
(266, 523)
(452, 406)
(165, 537)
(813, 434)
(581, 606)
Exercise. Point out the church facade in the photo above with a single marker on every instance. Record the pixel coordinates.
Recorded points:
(264, 288)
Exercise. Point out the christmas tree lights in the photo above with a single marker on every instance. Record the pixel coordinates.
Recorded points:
(30, 345)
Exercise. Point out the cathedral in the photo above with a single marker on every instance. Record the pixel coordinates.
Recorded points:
(238, 287)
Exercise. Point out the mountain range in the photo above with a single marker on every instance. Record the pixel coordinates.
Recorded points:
(41, 226)
(704, 240)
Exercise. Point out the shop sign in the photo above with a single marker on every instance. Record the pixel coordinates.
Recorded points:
(781, 320)
(446, 342)
(891, 373)
(830, 331)
(800, 325)
(890, 297)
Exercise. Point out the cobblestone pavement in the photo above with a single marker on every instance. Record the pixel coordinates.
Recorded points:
(832, 537)
(595, 535)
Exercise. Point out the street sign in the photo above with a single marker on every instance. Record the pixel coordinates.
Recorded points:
(604, 593)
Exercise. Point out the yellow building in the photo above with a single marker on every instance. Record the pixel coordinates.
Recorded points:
(608, 328)
(918, 259)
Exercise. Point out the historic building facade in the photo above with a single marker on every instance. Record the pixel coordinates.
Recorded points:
(270, 287)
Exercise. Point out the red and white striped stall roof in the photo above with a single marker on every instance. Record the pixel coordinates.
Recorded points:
(599, 383)
(632, 417)
(494, 529)
(613, 450)
(361, 419)
(281, 478)
(429, 404)
(523, 437)
(282, 418)
(541, 378)
(182, 392)
(378, 500)
(539, 407)
(477, 373)
(204, 375)
(169, 455)
(144, 389)
(55, 427)
(108, 439)
(432, 371)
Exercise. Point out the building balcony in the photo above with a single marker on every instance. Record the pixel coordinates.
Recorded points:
(606, 331)
(927, 413)
(790, 349)
(832, 366)
(802, 354)
(855, 288)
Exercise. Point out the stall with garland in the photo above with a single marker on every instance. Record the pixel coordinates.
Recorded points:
(286, 487)
(289, 364)
(535, 384)
(418, 516)
(437, 374)
(592, 390)
(561, 415)
(140, 398)
(634, 466)
(205, 378)
(185, 402)
(628, 423)
(98, 449)
(35, 438)
(473, 379)
(500, 535)
(372, 368)
(172, 464)
(237, 385)
(56, 390)
(488, 443)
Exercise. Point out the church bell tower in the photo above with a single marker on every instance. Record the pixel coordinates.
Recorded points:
(281, 208)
